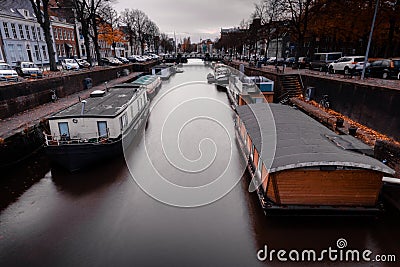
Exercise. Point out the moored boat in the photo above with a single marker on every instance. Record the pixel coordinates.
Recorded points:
(152, 83)
(303, 167)
(97, 128)
(164, 71)
(221, 76)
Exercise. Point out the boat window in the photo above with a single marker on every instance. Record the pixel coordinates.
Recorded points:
(102, 128)
(64, 129)
(123, 120)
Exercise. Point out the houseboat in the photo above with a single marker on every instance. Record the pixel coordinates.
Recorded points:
(250, 89)
(163, 71)
(97, 128)
(152, 83)
(221, 76)
(300, 166)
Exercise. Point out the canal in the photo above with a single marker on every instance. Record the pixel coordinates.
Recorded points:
(178, 197)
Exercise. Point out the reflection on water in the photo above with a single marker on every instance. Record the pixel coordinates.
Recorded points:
(101, 217)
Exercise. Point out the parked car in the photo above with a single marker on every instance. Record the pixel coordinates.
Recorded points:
(385, 68)
(136, 58)
(345, 64)
(271, 61)
(69, 64)
(302, 63)
(83, 64)
(123, 60)
(290, 61)
(25, 68)
(321, 61)
(110, 61)
(7, 73)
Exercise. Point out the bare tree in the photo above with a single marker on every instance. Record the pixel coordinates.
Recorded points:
(140, 21)
(41, 9)
(82, 14)
(299, 13)
(269, 12)
(127, 18)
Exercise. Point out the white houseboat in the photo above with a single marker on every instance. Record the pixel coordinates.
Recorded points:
(221, 76)
(93, 130)
(151, 82)
(163, 71)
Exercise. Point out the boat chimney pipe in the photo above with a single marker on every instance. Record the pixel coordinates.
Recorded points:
(83, 106)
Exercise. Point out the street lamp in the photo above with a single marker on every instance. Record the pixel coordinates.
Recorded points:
(369, 41)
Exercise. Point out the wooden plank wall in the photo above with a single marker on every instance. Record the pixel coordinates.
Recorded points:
(340, 187)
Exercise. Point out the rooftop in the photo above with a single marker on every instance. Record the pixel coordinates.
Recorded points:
(145, 80)
(301, 141)
(108, 105)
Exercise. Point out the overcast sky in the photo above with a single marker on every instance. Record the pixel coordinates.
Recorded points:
(195, 18)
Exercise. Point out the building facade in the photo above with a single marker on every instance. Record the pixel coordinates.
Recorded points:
(64, 35)
(22, 37)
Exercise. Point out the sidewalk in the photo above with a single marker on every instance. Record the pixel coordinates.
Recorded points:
(29, 118)
(391, 84)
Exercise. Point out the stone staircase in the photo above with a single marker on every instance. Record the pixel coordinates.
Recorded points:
(291, 86)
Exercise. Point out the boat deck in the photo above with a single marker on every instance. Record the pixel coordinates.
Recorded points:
(108, 105)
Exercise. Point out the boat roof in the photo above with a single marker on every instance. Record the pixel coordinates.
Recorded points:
(145, 80)
(301, 141)
(109, 105)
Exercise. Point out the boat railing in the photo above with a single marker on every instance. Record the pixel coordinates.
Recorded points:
(93, 138)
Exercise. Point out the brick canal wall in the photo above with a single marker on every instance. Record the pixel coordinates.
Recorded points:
(18, 97)
(373, 106)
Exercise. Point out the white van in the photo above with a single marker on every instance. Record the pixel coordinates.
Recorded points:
(321, 61)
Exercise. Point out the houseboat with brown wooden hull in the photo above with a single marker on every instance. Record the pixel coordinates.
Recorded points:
(98, 128)
(300, 166)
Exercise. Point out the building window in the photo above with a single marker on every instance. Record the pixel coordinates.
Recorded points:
(69, 35)
(39, 34)
(44, 52)
(20, 53)
(72, 36)
(14, 31)
(28, 35)
(83, 50)
(6, 32)
(26, 13)
(12, 52)
(55, 34)
(33, 32)
(65, 35)
(21, 31)
(60, 34)
(37, 53)
(62, 50)
(59, 50)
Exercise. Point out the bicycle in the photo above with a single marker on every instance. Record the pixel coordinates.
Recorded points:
(54, 96)
(324, 103)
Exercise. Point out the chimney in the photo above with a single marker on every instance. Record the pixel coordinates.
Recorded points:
(83, 106)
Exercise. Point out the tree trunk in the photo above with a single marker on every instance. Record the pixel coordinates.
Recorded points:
(49, 43)
(389, 44)
(95, 39)
(86, 38)
(44, 21)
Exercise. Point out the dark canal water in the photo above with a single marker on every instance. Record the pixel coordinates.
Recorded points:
(118, 214)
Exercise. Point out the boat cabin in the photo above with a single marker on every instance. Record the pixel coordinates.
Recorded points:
(150, 82)
(163, 71)
(105, 115)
